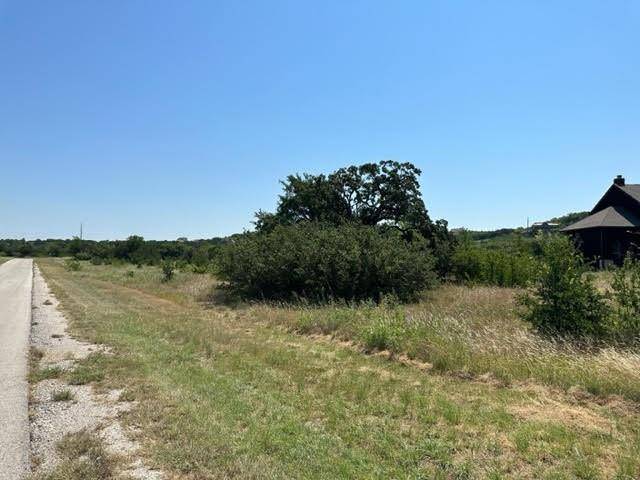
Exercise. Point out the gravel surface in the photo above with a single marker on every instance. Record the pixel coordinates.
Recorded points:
(49, 328)
(87, 410)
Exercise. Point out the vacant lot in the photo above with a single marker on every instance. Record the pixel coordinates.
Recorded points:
(265, 392)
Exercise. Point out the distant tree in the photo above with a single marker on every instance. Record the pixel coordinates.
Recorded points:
(130, 249)
(76, 246)
(54, 249)
(134, 243)
(103, 250)
(569, 218)
(24, 249)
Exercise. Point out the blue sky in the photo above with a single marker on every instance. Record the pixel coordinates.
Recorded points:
(171, 119)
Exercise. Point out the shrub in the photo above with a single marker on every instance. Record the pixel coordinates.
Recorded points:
(72, 265)
(492, 267)
(181, 264)
(168, 270)
(84, 256)
(62, 395)
(200, 269)
(96, 260)
(626, 293)
(321, 262)
(564, 298)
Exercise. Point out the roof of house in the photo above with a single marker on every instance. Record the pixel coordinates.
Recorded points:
(612, 217)
(632, 190)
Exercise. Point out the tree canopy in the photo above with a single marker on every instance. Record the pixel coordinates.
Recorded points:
(385, 194)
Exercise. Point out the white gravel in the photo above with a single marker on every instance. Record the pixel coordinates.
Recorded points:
(88, 410)
(49, 328)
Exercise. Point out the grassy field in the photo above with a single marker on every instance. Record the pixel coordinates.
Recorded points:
(4, 259)
(459, 390)
(474, 332)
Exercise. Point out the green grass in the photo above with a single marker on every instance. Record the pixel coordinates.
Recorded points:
(85, 372)
(64, 395)
(44, 373)
(227, 392)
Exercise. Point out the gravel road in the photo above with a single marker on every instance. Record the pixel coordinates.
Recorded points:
(15, 319)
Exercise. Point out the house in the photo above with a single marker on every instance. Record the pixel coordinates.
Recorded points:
(543, 227)
(613, 228)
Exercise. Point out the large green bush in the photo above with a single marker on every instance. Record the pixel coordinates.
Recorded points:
(322, 262)
(564, 298)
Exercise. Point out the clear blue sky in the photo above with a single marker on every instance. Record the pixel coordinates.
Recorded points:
(178, 118)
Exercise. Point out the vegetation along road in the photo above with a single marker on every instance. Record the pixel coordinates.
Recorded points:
(269, 391)
(15, 314)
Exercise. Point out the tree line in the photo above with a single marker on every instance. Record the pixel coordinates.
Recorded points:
(134, 249)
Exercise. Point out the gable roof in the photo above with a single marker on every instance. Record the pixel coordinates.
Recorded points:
(612, 217)
(633, 191)
(619, 194)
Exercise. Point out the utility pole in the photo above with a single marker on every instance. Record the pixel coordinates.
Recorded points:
(527, 223)
(80, 230)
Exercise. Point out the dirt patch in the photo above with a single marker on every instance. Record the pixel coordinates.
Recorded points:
(58, 409)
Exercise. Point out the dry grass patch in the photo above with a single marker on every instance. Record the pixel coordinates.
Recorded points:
(83, 457)
(569, 416)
